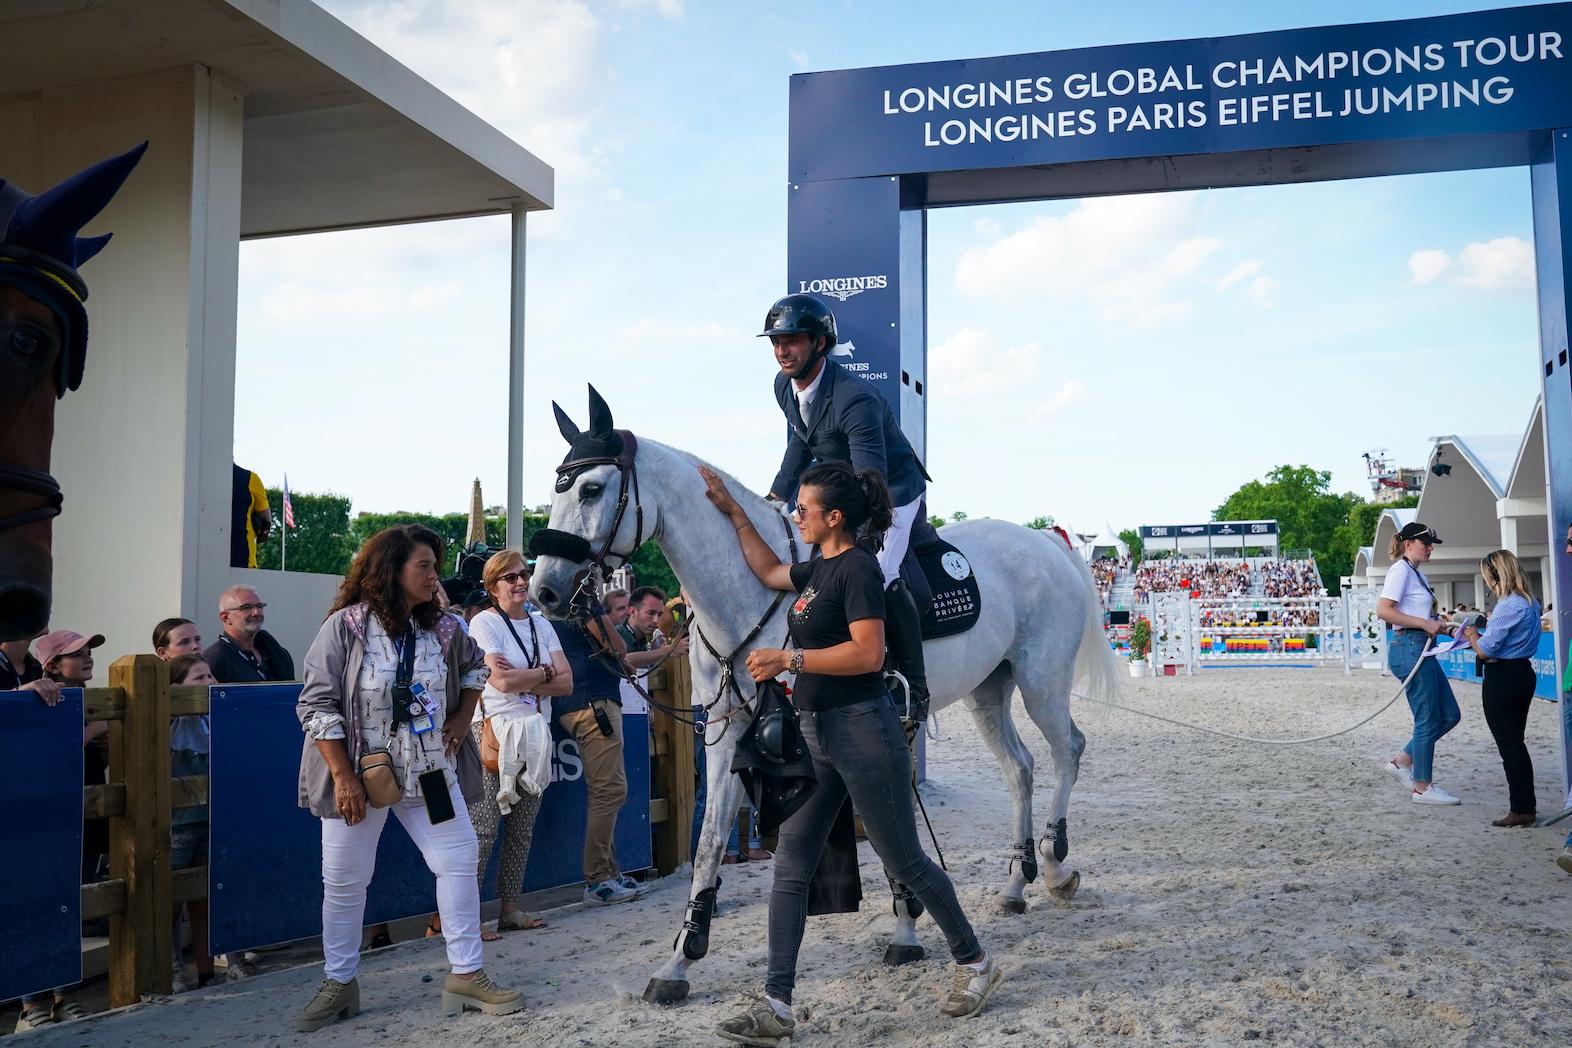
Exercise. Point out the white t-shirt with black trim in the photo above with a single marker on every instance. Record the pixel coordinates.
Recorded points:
(494, 638)
(1407, 587)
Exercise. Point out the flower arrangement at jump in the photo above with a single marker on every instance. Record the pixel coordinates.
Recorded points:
(1140, 639)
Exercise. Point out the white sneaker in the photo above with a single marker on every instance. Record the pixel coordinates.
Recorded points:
(638, 887)
(607, 893)
(1401, 774)
(1435, 795)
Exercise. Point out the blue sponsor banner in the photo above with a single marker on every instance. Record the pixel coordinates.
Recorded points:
(1488, 72)
(1459, 664)
(40, 880)
(265, 872)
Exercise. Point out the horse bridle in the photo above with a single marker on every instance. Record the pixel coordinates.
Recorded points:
(31, 482)
(628, 480)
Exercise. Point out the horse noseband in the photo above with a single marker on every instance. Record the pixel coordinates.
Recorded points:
(549, 542)
(32, 482)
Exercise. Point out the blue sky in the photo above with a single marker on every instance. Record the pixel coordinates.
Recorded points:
(1216, 335)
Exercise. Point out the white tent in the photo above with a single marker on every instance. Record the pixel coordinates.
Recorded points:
(1108, 542)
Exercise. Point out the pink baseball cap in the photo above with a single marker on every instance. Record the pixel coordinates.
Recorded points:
(63, 642)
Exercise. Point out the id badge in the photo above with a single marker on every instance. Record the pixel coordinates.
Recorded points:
(423, 710)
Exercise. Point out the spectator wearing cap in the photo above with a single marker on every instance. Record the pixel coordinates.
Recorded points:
(245, 653)
(1407, 603)
(475, 602)
(174, 637)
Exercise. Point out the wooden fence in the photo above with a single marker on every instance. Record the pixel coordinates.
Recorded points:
(140, 896)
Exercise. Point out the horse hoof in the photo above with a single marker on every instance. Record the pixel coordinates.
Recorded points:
(1066, 891)
(666, 991)
(897, 953)
(1010, 904)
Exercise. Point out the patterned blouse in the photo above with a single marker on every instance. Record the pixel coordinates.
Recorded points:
(413, 755)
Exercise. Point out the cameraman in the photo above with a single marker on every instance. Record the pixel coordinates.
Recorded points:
(592, 714)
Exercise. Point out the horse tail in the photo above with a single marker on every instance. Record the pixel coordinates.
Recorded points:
(1096, 669)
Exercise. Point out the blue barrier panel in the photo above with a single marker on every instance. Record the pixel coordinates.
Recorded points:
(40, 880)
(265, 873)
(1459, 664)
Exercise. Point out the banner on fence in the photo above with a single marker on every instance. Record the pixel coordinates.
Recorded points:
(265, 868)
(1459, 664)
(40, 881)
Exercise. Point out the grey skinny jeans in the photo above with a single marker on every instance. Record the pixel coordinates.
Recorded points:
(858, 749)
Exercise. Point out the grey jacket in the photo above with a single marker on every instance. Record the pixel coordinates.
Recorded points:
(847, 422)
(332, 668)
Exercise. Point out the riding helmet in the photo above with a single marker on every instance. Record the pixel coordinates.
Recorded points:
(800, 315)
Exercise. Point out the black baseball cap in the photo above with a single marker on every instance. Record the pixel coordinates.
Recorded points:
(477, 598)
(1424, 532)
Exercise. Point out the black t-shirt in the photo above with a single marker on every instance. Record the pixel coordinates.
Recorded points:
(832, 594)
(13, 677)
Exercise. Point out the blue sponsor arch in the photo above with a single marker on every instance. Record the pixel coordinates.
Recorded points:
(871, 150)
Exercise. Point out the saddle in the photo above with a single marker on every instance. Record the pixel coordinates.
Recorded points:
(942, 583)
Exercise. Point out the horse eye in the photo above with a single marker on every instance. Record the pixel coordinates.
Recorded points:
(27, 344)
(589, 492)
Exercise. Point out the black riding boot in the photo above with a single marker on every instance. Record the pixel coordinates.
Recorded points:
(903, 634)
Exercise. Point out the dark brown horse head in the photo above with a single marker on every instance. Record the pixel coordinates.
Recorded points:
(31, 343)
(43, 351)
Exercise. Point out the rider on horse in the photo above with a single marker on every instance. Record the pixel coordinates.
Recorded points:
(832, 417)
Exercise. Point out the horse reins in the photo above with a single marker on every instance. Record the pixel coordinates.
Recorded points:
(628, 480)
(32, 482)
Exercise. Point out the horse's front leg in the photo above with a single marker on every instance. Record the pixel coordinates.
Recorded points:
(669, 983)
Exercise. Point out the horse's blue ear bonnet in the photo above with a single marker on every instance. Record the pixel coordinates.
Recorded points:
(40, 250)
(603, 445)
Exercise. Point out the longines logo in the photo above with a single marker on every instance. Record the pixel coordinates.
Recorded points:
(843, 287)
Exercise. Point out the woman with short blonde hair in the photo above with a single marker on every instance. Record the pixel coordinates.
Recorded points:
(1507, 646)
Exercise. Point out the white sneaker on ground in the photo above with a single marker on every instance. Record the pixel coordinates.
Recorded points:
(1401, 774)
(606, 893)
(970, 988)
(1435, 795)
(638, 887)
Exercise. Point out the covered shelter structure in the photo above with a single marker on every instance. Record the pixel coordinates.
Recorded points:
(264, 119)
(1481, 493)
(1107, 544)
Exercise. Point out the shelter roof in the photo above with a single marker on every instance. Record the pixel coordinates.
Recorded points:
(338, 134)
(1528, 467)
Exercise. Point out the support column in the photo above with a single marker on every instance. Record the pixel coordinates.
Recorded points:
(1479, 592)
(515, 506)
(1551, 181)
(1509, 534)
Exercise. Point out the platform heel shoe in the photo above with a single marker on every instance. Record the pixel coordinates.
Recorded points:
(479, 993)
(334, 1001)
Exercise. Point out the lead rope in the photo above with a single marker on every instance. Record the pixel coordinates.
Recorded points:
(1429, 641)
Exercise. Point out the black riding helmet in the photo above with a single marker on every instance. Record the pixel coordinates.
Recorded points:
(801, 315)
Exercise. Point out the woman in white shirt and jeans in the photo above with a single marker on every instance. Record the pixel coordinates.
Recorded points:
(1408, 604)
(527, 665)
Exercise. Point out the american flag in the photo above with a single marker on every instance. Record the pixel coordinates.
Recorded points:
(289, 510)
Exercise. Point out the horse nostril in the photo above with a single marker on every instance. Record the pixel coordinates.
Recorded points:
(548, 597)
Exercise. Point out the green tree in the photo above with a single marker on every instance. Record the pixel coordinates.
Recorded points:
(958, 515)
(1040, 523)
(1132, 538)
(936, 520)
(319, 541)
(1360, 527)
(1308, 514)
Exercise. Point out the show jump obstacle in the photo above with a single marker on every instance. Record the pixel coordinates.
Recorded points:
(873, 149)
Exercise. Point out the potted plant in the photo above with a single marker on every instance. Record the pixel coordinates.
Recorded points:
(1140, 646)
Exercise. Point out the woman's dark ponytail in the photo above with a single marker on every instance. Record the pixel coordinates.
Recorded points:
(863, 498)
(880, 512)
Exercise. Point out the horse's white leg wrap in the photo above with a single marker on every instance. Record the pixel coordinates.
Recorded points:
(669, 983)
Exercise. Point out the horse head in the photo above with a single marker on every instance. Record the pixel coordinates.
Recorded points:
(595, 510)
(43, 353)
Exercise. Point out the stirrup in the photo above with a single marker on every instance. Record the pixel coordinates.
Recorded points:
(895, 677)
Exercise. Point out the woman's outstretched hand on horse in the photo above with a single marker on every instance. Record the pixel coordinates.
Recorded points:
(715, 491)
(768, 663)
(762, 561)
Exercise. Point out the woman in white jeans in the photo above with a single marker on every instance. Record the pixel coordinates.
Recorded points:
(389, 671)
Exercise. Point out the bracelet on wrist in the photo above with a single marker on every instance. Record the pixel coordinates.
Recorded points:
(796, 660)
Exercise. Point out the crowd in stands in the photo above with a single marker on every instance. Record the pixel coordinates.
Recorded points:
(1105, 571)
(1211, 579)
(1212, 618)
(519, 663)
(1290, 578)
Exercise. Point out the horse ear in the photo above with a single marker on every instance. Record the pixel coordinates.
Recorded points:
(600, 415)
(565, 426)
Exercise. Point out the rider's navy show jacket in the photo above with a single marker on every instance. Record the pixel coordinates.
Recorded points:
(847, 422)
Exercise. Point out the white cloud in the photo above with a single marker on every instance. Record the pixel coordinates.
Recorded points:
(533, 68)
(1264, 290)
(1062, 398)
(799, 59)
(1428, 265)
(1504, 264)
(1240, 272)
(1131, 257)
(967, 364)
